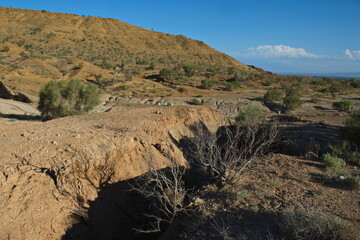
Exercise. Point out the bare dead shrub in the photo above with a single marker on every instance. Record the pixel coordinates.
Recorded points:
(224, 155)
(165, 188)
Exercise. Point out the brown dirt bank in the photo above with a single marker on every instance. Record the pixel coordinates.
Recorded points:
(50, 171)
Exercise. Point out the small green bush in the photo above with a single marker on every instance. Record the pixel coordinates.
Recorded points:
(301, 225)
(292, 102)
(332, 162)
(351, 130)
(207, 84)
(273, 95)
(64, 98)
(195, 101)
(354, 182)
(231, 85)
(122, 87)
(6, 49)
(252, 115)
(190, 70)
(342, 105)
(352, 157)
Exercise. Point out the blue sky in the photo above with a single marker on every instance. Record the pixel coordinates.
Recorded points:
(307, 36)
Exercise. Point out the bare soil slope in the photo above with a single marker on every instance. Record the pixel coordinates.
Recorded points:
(52, 171)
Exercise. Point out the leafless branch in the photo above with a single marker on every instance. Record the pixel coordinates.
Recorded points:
(225, 154)
(165, 188)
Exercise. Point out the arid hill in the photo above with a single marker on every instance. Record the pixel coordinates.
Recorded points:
(36, 46)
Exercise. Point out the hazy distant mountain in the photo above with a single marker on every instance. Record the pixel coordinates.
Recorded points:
(333, 75)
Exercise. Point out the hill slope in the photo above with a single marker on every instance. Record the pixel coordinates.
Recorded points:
(37, 46)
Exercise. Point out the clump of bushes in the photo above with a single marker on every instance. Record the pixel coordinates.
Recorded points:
(342, 105)
(354, 182)
(207, 84)
(292, 99)
(333, 162)
(195, 101)
(5, 49)
(351, 130)
(189, 70)
(303, 225)
(233, 84)
(122, 87)
(273, 95)
(292, 102)
(65, 98)
(252, 115)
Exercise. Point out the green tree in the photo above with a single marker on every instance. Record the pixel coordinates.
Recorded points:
(65, 98)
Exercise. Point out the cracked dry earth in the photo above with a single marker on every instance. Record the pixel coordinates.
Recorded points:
(51, 171)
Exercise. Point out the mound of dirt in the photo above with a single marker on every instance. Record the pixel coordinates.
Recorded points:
(51, 172)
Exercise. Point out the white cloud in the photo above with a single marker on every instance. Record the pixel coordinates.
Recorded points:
(270, 51)
(355, 55)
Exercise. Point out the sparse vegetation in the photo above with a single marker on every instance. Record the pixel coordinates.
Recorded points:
(207, 84)
(342, 105)
(273, 95)
(332, 162)
(250, 116)
(301, 225)
(292, 102)
(64, 98)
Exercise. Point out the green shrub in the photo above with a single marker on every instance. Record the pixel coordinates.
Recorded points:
(273, 95)
(207, 84)
(332, 162)
(354, 182)
(122, 87)
(252, 115)
(6, 49)
(231, 85)
(301, 225)
(292, 102)
(352, 157)
(64, 98)
(351, 130)
(190, 70)
(195, 101)
(342, 105)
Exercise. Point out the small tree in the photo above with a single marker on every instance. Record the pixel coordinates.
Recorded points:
(273, 95)
(292, 102)
(65, 98)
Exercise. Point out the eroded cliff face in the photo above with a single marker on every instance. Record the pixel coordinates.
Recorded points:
(51, 172)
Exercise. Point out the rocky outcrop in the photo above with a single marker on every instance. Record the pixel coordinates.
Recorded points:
(50, 173)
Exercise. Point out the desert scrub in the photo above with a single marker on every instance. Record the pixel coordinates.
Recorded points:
(65, 98)
(195, 101)
(5, 49)
(233, 84)
(122, 87)
(252, 115)
(332, 162)
(351, 130)
(342, 105)
(301, 225)
(354, 182)
(292, 102)
(273, 95)
(352, 157)
(207, 84)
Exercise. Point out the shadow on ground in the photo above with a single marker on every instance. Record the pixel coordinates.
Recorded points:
(21, 117)
(113, 215)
